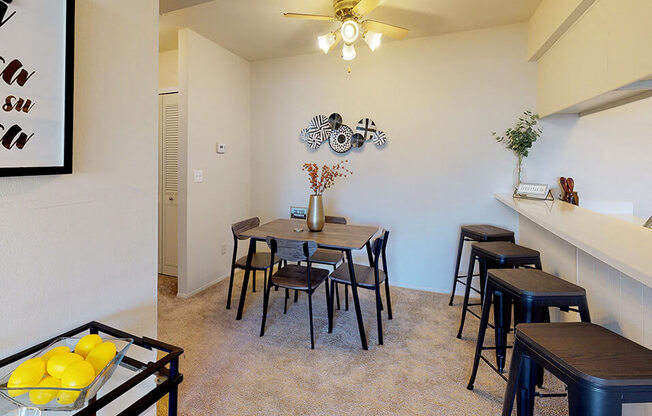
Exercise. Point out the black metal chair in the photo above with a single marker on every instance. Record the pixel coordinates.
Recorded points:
(368, 277)
(295, 277)
(259, 261)
(601, 369)
(478, 233)
(330, 257)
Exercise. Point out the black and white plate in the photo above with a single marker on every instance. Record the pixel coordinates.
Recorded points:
(367, 128)
(303, 136)
(357, 140)
(379, 138)
(340, 139)
(335, 121)
(319, 130)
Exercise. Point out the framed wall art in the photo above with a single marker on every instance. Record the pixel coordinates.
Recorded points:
(36, 86)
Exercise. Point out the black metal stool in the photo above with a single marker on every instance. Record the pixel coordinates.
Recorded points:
(478, 233)
(601, 369)
(532, 292)
(495, 255)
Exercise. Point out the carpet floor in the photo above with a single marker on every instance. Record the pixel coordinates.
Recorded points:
(421, 370)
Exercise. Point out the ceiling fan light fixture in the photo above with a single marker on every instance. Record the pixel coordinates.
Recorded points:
(350, 31)
(373, 39)
(327, 41)
(348, 52)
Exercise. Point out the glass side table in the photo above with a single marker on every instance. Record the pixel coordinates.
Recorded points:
(139, 385)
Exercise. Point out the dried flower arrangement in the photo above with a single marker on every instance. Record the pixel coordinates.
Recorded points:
(320, 182)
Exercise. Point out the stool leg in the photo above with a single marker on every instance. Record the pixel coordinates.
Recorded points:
(583, 306)
(593, 402)
(469, 280)
(527, 382)
(480, 342)
(502, 321)
(457, 268)
(513, 381)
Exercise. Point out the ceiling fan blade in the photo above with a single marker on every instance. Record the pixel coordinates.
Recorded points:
(308, 16)
(366, 6)
(392, 31)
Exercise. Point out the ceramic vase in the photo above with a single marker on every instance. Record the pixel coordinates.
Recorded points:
(316, 218)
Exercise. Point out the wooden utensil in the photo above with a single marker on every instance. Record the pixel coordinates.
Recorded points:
(564, 187)
(571, 184)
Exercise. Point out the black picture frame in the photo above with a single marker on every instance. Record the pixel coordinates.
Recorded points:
(69, 76)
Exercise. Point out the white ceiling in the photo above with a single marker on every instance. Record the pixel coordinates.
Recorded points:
(256, 29)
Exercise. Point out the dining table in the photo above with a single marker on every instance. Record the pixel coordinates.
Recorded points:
(343, 237)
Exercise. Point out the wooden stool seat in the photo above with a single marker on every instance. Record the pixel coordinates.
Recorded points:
(602, 369)
(535, 283)
(532, 292)
(502, 251)
(476, 232)
(484, 232)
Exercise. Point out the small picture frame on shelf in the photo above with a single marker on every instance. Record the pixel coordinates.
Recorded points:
(536, 191)
(648, 223)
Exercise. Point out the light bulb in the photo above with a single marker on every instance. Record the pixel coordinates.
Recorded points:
(350, 31)
(326, 42)
(373, 39)
(348, 52)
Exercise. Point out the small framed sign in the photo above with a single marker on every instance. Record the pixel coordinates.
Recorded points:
(533, 191)
(36, 86)
(299, 212)
(648, 223)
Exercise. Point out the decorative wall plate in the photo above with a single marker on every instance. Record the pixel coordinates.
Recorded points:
(379, 138)
(340, 139)
(367, 128)
(314, 141)
(335, 121)
(303, 136)
(319, 129)
(357, 140)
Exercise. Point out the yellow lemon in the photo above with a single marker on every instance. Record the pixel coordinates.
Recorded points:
(87, 343)
(27, 374)
(78, 375)
(40, 397)
(54, 351)
(58, 364)
(101, 356)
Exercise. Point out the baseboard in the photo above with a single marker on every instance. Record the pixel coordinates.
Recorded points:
(201, 289)
(458, 292)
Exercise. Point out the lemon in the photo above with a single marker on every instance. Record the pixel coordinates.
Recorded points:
(87, 343)
(78, 375)
(101, 356)
(54, 351)
(40, 397)
(58, 364)
(27, 374)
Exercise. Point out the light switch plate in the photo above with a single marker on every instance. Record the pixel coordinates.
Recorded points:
(199, 176)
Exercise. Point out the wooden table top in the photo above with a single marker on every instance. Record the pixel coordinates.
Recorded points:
(338, 236)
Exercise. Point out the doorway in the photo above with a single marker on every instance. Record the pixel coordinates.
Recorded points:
(168, 183)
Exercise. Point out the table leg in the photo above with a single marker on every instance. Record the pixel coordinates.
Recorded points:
(173, 395)
(356, 300)
(245, 280)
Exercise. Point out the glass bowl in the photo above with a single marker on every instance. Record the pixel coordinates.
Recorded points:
(86, 393)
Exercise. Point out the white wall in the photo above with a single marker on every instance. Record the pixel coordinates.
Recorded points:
(168, 76)
(82, 247)
(607, 153)
(214, 107)
(438, 99)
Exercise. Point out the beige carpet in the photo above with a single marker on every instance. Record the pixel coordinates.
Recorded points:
(421, 370)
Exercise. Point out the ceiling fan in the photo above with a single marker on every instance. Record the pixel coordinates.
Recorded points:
(354, 25)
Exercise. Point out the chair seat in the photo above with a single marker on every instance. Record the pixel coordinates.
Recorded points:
(364, 276)
(325, 256)
(483, 232)
(296, 277)
(504, 250)
(259, 261)
(533, 283)
(590, 352)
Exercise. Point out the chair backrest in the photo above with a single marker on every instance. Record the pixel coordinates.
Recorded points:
(240, 227)
(292, 250)
(379, 245)
(335, 220)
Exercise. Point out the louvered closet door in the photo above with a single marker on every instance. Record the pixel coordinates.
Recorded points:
(169, 184)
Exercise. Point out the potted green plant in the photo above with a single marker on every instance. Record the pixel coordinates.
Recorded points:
(520, 139)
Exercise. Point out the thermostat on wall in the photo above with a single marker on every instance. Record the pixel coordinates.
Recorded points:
(221, 148)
